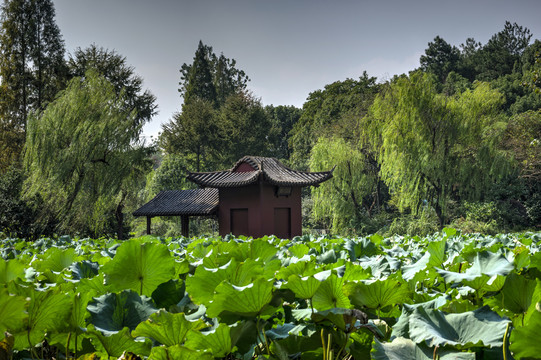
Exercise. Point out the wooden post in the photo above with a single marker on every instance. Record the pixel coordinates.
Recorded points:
(185, 225)
(148, 224)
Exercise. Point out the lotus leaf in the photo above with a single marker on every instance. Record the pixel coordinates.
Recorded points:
(249, 300)
(115, 344)
(405, 349)
(166, 328)
(112, 312)
(217, 341)
(140, 267)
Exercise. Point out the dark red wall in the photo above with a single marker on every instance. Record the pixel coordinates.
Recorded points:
(261, 201)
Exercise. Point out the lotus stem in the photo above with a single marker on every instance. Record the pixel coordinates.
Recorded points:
(323, 344)
(68, 346)
(504, 347)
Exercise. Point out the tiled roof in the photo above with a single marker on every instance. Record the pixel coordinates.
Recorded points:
(264, 169)
(181, 202)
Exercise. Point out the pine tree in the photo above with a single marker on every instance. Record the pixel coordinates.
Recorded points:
(32, 68)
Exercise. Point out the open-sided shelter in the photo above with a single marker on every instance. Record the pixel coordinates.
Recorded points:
(258, 196)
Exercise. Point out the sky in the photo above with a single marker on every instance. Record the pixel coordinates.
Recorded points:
(288, 48)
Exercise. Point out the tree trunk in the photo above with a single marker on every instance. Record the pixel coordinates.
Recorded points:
(439, 213)
(120, 221)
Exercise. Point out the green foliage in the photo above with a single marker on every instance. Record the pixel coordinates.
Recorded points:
(168, 329)
(113, 67)
(83, 155)
(283, 119)
(353, 193)
(523, 342)
(17, 215)
(384, 298)
(432, 147)
(210, 77)
(32, 69)
(140, 267)
(440, 58)
(333, 111)
(112, 312)
(171, 175)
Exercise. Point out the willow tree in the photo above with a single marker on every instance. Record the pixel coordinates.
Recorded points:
(353, 193)
(432, 147)
(83, 154)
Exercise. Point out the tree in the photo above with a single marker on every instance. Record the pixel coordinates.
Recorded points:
(83, 154)
(353, 193)
(245, 129)
(523, 139)
(432, 147)
(500, 54)
(283, 118)
(114, 68)
(335, 110)
(201, 132)
(440, 58)
(210, 77)
(32, 68)
(194, 134)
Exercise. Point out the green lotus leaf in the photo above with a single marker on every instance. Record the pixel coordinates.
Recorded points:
(409, 271)
(112, 312)
(178, 352)
(330, 295)
(169, 293)
(11, 270)
(140, 267)
(115, 344)
(355, 272)
(298, 250)
(361, 247)
(76, 325)
(94, 285)
(201, 286)
(381, 266)
(343, 319)
(524, 340)
(244, 335)
(484, 263)
(84, 269)
(256, 249)
(55, 259)
(12, 312)
(481, 327)
(377, 294)
(249, 300)
(300, 267)
(48, 311)
(217, 341)
(303, 288)
(516, 294)
(405, 349)
(166, 328)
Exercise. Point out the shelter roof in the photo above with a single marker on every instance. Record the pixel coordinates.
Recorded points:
(252, 169)
(181, 202)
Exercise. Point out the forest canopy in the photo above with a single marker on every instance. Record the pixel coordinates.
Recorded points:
(455, 142)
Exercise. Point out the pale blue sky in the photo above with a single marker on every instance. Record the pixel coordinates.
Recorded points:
(287, 47)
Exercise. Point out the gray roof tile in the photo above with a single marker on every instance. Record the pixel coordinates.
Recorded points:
(181, 202)
(264, 169)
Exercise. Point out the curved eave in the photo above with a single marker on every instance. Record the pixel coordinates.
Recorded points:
(300, 178)
(224, 179)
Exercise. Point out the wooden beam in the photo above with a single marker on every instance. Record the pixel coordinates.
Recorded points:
(185, 225)
(148, 224)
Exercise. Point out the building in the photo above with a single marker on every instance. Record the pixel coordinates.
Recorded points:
(258, 196)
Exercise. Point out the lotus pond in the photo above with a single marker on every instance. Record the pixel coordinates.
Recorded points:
(446, 296)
